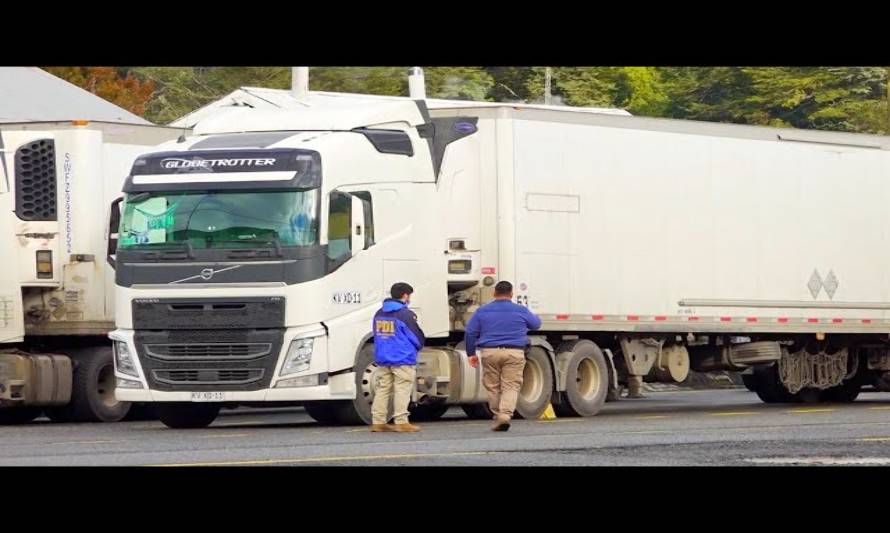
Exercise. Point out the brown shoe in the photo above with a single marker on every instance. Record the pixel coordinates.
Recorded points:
(407, 427)
(380, 427)
(501, 423)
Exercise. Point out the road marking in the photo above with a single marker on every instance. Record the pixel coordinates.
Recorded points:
(874, 439)
(86, 442)
(226, 436)
(235, 424)
(640, 432)
(328, 459)
(651, 417)
(560, 420)
(831, 461)
(355, 430)
(814, 410)
(882, 408)
(736, 413)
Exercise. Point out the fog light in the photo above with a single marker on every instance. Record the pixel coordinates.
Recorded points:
(128, 384)
(303, 381)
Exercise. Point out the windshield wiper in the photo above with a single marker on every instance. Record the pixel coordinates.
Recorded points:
(274, 241)
(189, 250)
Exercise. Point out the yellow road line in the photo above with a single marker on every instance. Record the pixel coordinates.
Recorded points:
(651, 417)
(329, 459)
(814, 410)
(736, 413)
(881, 408)
(875, 439)
(86, 442)
(225, 436)
(560, 420)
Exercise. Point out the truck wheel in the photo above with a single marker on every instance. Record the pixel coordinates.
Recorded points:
(92, 391)
(769, 387)
(809, 395)
(358, 411)
(586, 379)
(141, 411)
(750, 382)
(18, 415)
(478, 411)
(428, 412)
(846, 392)
(537, 385)
(186, 415)
(323, 412)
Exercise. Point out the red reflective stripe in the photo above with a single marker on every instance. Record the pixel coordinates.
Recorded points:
(837, 320)
(692, 318)
(562, 317)
(752, 319)
(633, 317)
(812, 320)
(725, 319)
(661, 318)
(597, 317)
(866, 321)
(783, 320)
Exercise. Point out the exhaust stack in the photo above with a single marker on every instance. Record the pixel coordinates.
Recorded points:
(416, 84)
(300, 82)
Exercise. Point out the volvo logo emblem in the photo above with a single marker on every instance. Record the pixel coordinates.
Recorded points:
(207, 273)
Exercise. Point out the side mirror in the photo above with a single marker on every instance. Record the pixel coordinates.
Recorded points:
(114, 221)
(357, 231)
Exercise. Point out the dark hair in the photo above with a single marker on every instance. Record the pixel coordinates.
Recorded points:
(400, 289)
(503, 288)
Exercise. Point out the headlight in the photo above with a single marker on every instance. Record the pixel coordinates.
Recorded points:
(123, 360)
(299, 355)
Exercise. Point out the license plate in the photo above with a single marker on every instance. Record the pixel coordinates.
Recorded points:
(208, 396)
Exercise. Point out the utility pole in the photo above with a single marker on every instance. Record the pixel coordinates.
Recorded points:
(547, 76)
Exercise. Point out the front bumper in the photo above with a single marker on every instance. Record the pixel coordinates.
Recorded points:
(335, 387)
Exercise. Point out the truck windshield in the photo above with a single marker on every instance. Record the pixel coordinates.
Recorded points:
(220, 219)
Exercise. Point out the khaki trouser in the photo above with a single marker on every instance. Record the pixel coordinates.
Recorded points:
(393, 383)
(502, 378)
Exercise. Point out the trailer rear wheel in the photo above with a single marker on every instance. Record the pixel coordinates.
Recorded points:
(92, 391)
(769, 387)
(846, 392)
(537, 384)
(18, 415)
(586, 379)
(809, 395)
(187, 415)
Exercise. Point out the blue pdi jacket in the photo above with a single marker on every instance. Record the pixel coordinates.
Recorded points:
(397, 337)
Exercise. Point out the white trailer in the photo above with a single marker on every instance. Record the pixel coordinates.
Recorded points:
(56, 291)
(254, 253)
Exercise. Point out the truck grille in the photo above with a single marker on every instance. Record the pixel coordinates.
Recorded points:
(186, 352)
(237, 376)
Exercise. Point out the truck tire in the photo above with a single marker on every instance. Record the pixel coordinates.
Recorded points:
(18, 415)
(178, 415)
(587, 376)
(750, 382)
(537, 385)
(358, 412)
(809, 395)
(140, 412)
(323, 412)
(428, 412)
(846, 392)
(478, 411)
(92, 390)
(769, 387)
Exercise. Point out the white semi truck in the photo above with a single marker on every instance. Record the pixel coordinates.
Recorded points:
(253, 254)
(56, 290)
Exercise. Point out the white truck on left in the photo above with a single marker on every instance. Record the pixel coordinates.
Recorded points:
(57, 180)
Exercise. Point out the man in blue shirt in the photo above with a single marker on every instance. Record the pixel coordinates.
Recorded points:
(499, 330)
(397, 339)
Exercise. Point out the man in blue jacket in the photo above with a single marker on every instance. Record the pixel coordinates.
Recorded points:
(500, 329)
(397, 339)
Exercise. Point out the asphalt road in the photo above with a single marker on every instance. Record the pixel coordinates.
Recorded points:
(715, 427)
